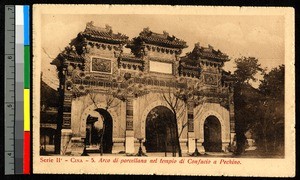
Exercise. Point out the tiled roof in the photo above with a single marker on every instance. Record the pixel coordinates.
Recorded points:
(103, 34)
(208, 53)
(161, 39)
(69, 54)
(72, 56)
(214, 55)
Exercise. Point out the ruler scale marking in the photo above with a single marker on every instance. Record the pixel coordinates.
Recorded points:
(17, 89)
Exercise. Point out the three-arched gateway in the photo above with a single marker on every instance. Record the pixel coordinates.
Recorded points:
(99, 81)
(160, 130)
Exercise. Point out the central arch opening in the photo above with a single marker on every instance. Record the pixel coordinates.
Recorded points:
(99, 131)
(160, 130)
(212, 134)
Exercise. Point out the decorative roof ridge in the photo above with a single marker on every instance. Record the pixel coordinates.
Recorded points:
(164, 38)
(70, 51)
(107, 29)
(105, 33)
(207, 52)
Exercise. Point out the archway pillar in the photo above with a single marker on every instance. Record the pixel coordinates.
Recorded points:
(200, 145)
(129, 142)
(183, 145)
(70, 144)
(129, 134)
(66, 135)
(191, 133)
(191, 142)
(118, 145)
(232, 122)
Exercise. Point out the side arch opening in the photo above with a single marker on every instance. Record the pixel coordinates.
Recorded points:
(212, 134)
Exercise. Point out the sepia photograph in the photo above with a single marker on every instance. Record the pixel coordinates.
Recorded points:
(163, 87)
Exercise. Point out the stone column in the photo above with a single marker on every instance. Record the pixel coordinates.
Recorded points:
(66, 131)
(119, 141)
(191, 133)
(129, 135)
(232, 121)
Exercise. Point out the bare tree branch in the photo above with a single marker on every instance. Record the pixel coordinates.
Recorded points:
(92, 98)
(183, 126)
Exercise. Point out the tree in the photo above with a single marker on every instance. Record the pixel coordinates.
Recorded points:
(271, 125)
(245, 97)
(172, 99)
(247, 111)
(268, 127)
(259, 110)
(272, 84)
(246, 69)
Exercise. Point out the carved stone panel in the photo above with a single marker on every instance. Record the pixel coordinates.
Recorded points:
(101, 65)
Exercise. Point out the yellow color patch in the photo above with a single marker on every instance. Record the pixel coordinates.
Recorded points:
(26, 110)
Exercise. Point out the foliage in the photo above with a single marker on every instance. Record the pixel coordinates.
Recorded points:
(261, 110)
(273, 83)
(271, 124)
(246, 69)
(246, 107)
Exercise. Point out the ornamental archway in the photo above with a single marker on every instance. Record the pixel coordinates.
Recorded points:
(212, 134)
(160, 130)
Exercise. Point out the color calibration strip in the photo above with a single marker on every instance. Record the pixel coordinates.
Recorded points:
(26, 153)
(17, 53)
(22, 114)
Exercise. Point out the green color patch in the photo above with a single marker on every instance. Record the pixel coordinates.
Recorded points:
(26, 67)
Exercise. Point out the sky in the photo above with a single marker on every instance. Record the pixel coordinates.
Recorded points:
(258, 36)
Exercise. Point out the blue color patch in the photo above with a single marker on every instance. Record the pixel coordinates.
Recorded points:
(26, 25)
